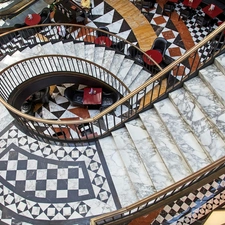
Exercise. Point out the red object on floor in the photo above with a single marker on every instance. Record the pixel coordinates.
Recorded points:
(155, 55)
(103, 40)
(212, 13)
(94, 98)
(36, 18)
(194, 4)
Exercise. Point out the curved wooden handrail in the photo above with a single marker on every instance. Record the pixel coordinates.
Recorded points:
(131, 94)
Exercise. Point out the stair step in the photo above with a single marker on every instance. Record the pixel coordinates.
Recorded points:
(121, 180)
(166, 147)
(135, 168)
(209, 103)
(79, 50)
(140, 79)
(149, 155)
(124, 68)
(38, 50)
(107, 59)
(117, 61)
(90, 52)
(220, 63)
(69, 48)
(215, 80)
(194, 154)
(199, 124)
(59, 48)
(132, 74)
(99, 54)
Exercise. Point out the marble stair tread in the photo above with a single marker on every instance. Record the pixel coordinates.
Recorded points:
(170, 154)
(90, 52)
(107, 59)
(131, 75)
(99, 54)
(215, 80)
(124, 68)
(59, 49)
(210, 105)
(68, 46)
(137, 172)
(79, 50)
(220, 63)
(153, 162)
(117, 61)
(199, 124)
(193, 152)
(140, 79)
(118, 172)
(38, 50)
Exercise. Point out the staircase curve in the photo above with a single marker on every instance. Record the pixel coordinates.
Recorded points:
(180, 139)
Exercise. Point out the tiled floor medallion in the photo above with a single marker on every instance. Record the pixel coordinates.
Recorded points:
(46, 182)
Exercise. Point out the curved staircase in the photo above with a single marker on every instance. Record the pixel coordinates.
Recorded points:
(177, 137)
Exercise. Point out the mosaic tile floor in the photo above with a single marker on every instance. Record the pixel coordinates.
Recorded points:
(42, 184)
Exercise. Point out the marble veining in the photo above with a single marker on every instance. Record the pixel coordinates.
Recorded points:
(108, 58)
(149, 155)
(135, 168)
(165, 145)
(185, 140)
(117, 61)
(124, 69)
(89, 52)
(215, 79)
(98, 55)
(203, 130)
(121, 180)
(220, 62)
(208, 102)
(132, 74)
(140, 79)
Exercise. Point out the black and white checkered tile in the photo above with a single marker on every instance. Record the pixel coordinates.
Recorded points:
(197, 33)
(37, 182)
(194, 206)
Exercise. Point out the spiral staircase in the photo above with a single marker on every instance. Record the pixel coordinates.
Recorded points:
(177, 137)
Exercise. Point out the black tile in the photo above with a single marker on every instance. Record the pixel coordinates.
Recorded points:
(22, 165)
(41, 185)
(52, 174)
(11, 175)
(61, 184)
(31, 174)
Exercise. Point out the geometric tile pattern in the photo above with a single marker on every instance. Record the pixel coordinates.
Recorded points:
(194, 206)
(50, 182)
(164, 27)
(46, 180)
